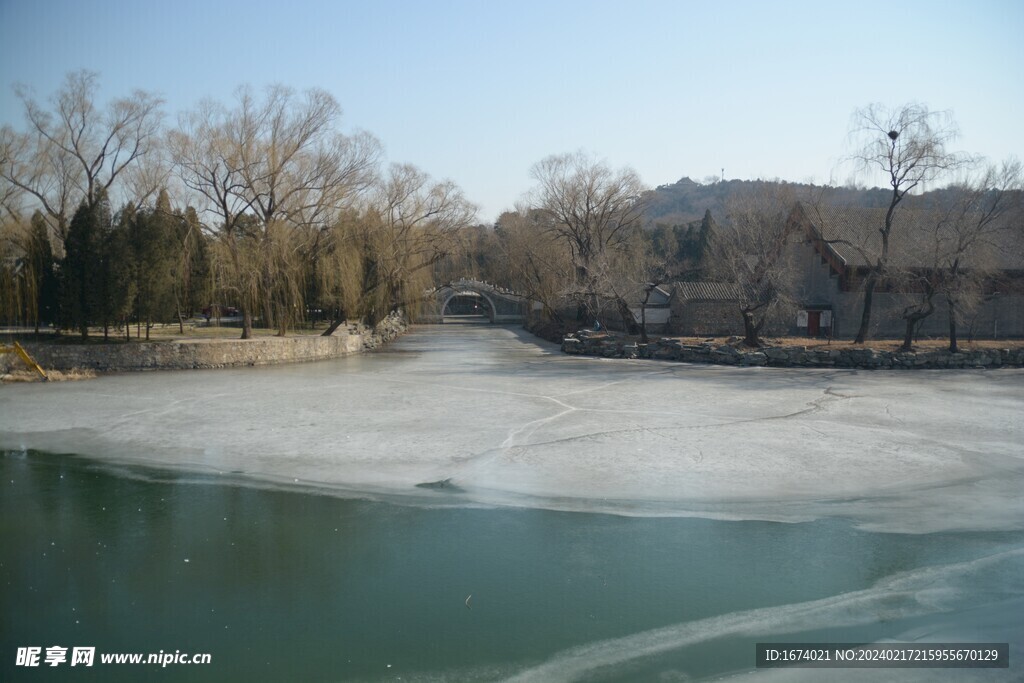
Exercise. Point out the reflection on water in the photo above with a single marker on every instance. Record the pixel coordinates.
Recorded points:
(296, 586)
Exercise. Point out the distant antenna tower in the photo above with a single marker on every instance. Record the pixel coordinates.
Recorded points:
(723, 175)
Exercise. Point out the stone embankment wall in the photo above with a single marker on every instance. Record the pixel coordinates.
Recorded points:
(213, 353)
(386, 330)
(606, 346)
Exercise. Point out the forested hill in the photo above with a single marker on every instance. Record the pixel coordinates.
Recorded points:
(685, 201)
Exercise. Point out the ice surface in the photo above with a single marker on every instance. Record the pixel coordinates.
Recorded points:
(510, 420)
(929, 591)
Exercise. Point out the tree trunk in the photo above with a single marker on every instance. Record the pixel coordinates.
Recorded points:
(643, 313)
(914, 320)
(915, 314)
(751, 331)
(865, 316)
(628, 323)
(952, 327)
(333, 327)
(908, 334)
(643, 321)
(246, 323)
(268, 315)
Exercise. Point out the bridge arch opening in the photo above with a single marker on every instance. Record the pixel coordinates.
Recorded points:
(467, 306)
(468, 300)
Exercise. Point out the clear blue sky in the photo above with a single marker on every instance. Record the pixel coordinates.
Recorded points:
(479, 91)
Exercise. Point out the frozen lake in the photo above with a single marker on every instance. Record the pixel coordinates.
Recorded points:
(748, 504)
(511, 421)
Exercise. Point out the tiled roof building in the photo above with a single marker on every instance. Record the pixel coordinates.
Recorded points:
(832, 251)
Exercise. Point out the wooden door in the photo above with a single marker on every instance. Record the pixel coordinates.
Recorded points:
(813, 323)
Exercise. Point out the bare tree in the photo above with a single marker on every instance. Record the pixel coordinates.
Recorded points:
(963, 233)
(984, 222)
(657, 271)
(209, 163)
(144, 180)
(534, 261)
(296, 167)
(616, 283)
(475, 256)
(413, 223)
(76, 150)
(10, 202)
(921, 285)
(338, 270)
(279, 161)
(18, 294)
(298, 172)
(595, 211)
(908, 146)
(751, 251)
(30, 167)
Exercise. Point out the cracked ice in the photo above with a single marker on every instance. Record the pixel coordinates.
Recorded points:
(510, 420)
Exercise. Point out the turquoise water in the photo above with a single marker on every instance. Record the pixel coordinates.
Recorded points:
(288, 585)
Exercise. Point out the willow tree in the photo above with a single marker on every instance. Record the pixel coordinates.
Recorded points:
(408, 224)
(28, 283)
(11, 196)
(419, 221)
(299, 172)
(208, 162)
(337, 270)
(30, 286)
(596, 213)
(281, 162)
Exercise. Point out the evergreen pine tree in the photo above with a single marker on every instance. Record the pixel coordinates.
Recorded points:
(192, 287)
(153, 240)
(80, 269)
(117, 271)
(705, 236)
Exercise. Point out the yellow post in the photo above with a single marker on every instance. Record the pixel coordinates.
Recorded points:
(23, 354)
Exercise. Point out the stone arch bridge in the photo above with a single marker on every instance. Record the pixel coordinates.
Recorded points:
(466, 300)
